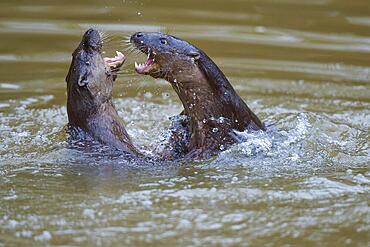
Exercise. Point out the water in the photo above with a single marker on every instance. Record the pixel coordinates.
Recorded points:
(303, 66)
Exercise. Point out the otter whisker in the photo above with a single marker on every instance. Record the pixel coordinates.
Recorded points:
(106, 37)
(101, 33)
(125, 44)
(126, 51)
(131, 50)
(111, 41)
(167, 30)
(138, 53)
(130, 46)
(127, 40)
(126, 47)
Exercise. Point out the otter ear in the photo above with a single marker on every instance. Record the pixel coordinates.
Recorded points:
(194, 54)
(82, 81)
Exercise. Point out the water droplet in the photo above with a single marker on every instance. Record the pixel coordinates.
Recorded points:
(221, 120)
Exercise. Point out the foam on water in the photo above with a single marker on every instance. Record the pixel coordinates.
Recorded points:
(298, 161)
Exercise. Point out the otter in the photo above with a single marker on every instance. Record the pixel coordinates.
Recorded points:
(212, 107)
(89, 95)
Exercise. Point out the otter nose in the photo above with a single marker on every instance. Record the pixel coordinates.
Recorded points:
(91, 32)
(139, 35)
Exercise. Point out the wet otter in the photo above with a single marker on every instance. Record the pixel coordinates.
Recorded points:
(213, 107)
(89, 89)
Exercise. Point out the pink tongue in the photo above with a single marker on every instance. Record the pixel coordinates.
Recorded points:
(149, 62)
(115, 62)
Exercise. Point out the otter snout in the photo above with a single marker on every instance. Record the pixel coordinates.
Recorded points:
(92, 39)
(138, 34)
(151, 41)
(138, 39)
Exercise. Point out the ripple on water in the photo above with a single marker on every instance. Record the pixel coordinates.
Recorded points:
(9, 86)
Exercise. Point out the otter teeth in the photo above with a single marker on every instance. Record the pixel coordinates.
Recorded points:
(140, 67)
(119, 55)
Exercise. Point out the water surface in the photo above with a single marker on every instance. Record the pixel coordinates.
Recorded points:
(302, 65)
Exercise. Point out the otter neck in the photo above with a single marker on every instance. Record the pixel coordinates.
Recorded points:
(200, 101)
(80, 109)
(206, 111)
(208, 122)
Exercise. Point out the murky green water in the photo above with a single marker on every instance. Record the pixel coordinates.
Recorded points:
(302, 65)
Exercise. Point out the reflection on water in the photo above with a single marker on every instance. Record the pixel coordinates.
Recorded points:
(303, 66)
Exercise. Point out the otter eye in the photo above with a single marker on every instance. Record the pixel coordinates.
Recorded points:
(164, 41)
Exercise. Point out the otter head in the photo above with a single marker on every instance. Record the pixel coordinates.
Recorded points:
(169, 57)
(90, 78)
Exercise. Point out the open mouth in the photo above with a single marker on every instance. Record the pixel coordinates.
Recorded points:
(146, 67)
(115, 62)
